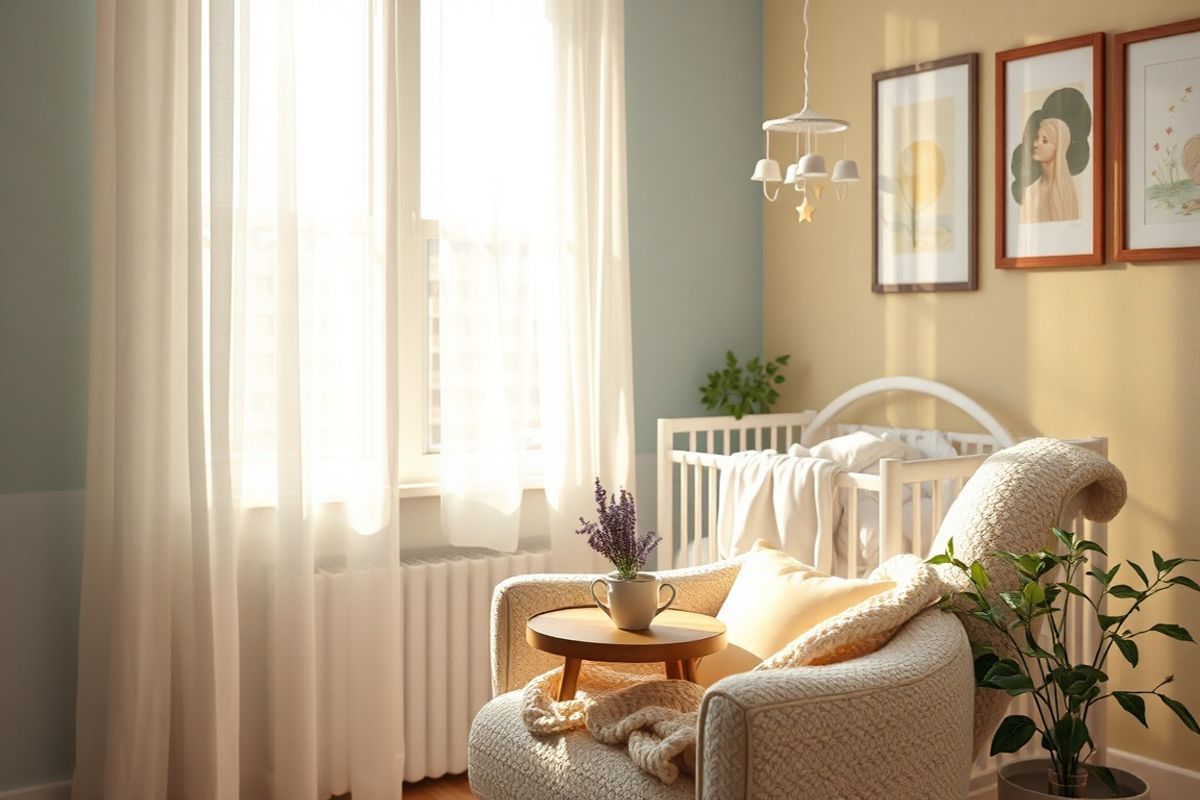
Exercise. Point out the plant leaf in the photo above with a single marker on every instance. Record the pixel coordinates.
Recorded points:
(1181, 711)
(1070, 734)
(1125, 592)
(1181, 580)
(979, 575)
(1014, 732)
(1159, 563)
(983, 663)
(1141, 573)
(1134, 704)
(1106, 777)
(1006, 674)
(1073, 589)
(1034, 647)
(1107, 620)
(1085, 545)
(1174, 631)
(1128, 649)
(1104, 577)
(1066, 537)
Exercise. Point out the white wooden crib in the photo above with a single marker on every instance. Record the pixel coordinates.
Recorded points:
(693, 451)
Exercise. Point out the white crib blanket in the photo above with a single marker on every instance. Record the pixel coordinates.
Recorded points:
(789, 500)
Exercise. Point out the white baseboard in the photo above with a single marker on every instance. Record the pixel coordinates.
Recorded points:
(1166, 781)
(60, 790)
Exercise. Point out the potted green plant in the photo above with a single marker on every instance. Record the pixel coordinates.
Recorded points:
(739, 391)
(1064, 690)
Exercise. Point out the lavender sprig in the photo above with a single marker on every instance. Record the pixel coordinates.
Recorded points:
(615, 535)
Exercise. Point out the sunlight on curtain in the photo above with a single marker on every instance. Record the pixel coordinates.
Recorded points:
(307, 359)
(527, 173)
(242, 409)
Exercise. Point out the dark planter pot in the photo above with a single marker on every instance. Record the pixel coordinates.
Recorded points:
(1026, 780)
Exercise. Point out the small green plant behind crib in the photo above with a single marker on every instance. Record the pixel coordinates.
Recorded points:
(740, 391)
(1063, 691)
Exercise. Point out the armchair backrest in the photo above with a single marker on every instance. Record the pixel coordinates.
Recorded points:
(1011, 503)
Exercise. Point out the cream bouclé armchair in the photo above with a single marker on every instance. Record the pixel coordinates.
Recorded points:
(903, 722)
(896, 723)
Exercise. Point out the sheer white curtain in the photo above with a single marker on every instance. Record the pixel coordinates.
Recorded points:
(241, 624)
(535, 355)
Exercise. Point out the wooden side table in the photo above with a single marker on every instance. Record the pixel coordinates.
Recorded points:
(676, 638)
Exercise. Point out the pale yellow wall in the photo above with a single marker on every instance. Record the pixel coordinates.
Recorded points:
(1069, 352)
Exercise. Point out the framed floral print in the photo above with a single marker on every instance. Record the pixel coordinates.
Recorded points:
(1156, 136)
(924, 147)
(1050, 154)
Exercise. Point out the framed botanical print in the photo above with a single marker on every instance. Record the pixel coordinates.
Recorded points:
(1156, 137)
(1050, 154)
(924, 122)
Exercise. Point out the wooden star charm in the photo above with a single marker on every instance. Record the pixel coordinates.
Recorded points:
(805, 210)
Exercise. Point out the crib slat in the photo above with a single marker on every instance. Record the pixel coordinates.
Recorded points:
(852, 535)
(916, 520)
(712, 515)
(697, 556)
(937, 507)
(684, 478)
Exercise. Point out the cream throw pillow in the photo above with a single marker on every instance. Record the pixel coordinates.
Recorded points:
(910, 586)
(774, 600)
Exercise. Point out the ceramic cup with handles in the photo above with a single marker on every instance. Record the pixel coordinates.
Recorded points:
(632, 604)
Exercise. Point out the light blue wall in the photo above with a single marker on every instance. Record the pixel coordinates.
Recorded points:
(46, 49)
(694, 87)
(694, 102)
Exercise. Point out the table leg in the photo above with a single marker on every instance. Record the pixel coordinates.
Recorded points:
(570, 678)
(674, 670)
(689, 669)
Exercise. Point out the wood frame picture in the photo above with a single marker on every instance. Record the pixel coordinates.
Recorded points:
(1050, 154)
(1156, 147)
(925, 176)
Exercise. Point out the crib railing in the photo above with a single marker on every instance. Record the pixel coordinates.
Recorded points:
(688, 466)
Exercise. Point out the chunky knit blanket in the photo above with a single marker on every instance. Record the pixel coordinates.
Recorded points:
(654, 719)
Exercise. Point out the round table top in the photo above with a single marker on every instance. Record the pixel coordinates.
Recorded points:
(587, 633)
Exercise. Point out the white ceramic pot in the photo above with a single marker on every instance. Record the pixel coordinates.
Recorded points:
(632, 604)
(1027, 780)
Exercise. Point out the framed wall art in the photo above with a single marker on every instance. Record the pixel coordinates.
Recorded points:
(924, 147)
(1156, 137)
(1050, 154)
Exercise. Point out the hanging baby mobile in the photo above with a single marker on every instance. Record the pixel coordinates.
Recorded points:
(806, 172)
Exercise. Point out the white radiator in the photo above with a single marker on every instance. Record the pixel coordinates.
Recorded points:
(447, 669)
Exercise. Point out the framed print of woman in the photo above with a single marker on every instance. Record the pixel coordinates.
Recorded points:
(1051, 197)
(1049, 139)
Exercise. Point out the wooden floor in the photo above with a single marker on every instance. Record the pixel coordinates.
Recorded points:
(451, 787)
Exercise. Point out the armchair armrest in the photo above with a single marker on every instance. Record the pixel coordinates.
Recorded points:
(517, 599)
(895, 723)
